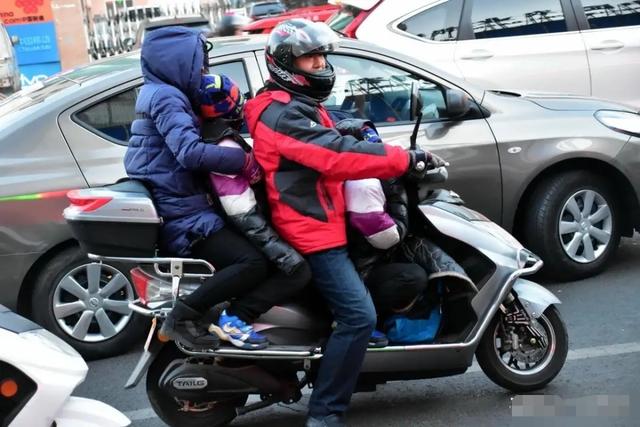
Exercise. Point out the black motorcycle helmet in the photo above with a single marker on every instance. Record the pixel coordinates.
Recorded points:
(294, 38)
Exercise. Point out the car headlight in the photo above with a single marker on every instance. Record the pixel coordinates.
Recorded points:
(620, 121)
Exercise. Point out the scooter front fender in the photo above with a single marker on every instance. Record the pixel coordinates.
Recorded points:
(534, 297)
(81, 412)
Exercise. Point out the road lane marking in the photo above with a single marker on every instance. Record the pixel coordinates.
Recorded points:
(590, 353)
(578, 354)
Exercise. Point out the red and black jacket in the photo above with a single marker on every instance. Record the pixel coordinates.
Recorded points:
(306, 161)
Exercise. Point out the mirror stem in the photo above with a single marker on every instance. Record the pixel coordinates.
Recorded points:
(414, 135)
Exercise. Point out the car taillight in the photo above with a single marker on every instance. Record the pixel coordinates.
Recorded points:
(86, 203)
(150, 288)
(350, 30)
(16, 389)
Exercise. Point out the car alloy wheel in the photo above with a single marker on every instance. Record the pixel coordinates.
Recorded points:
(585, 227)
(91, 302)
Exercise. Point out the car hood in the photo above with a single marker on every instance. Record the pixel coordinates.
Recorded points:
(565, 102)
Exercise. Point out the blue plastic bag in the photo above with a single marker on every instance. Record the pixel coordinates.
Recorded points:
(403, 330)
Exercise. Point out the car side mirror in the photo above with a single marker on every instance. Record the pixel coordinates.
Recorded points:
(128, 43)
(458, 103)
(15, 40)
(416, 102)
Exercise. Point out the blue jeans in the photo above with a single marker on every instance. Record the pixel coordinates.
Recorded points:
(339, 283)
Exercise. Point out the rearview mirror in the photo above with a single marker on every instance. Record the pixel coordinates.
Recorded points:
(458, 103)
(15, 40)
(128, 43)
(416, 102)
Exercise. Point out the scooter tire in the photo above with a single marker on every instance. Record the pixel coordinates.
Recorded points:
(496, 370)
(168, 410)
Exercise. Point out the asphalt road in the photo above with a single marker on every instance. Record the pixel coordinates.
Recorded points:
(600, 381)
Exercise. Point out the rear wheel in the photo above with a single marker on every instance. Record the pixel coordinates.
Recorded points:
(179, 413)
(512, 357)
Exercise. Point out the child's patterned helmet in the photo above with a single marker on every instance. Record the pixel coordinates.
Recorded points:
(220, 97)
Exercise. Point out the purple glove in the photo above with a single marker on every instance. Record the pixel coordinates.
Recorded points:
(370, 135)
(251, 169)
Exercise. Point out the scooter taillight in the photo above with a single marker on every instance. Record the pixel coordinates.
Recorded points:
(87, 203)
(150, 288)
(140, 280)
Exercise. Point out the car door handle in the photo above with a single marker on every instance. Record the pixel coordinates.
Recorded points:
(477, 54)
(608, 45)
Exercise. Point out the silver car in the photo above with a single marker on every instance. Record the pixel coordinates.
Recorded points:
(562, 173)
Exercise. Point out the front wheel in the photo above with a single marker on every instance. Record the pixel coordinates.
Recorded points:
(514, 358)
(180, 413)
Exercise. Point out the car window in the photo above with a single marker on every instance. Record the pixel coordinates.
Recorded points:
(611, 13)
(266, 9)
(507, 18)
(5, 43)
(372, 90)
(340, 20)
(112, 117)
(237, 72)
(61, 85)
(438, 23)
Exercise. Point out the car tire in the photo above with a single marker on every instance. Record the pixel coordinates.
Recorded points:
(572, 223)
(63, 304)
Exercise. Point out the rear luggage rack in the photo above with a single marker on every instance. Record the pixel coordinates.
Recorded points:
(177, 264)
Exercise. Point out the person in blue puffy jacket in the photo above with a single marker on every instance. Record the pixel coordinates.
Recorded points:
(167, 152)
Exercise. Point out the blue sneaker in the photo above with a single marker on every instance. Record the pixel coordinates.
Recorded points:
(238, 333)
(378, 340)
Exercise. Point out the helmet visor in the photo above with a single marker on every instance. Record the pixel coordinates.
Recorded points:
(312, 37)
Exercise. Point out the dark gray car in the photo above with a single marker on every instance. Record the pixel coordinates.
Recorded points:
(562, 173)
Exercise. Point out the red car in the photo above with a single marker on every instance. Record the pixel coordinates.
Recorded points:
(314, 13)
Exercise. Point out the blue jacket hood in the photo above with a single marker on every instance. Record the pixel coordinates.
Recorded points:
(174, 56)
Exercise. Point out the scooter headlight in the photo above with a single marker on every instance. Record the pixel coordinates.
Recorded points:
(620, 121)
(500, 233)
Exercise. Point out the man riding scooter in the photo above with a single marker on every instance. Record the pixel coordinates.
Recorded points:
(306, 161)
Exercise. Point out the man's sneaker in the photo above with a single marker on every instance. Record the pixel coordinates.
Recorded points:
(238, 333)
(378, 340)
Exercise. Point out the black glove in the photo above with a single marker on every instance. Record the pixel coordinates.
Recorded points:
(435, 161)
(420, 162)
(417, 164)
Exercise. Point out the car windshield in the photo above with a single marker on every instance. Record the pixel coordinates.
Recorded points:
(59, 84)
(339, 21)
(198, 25)
(266, 9)
(5, 43)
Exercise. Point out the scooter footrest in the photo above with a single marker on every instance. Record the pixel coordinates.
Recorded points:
(271, 352)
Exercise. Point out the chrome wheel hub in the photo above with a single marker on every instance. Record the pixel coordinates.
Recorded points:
(523, 354)
(585, 226)
(91, 303)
